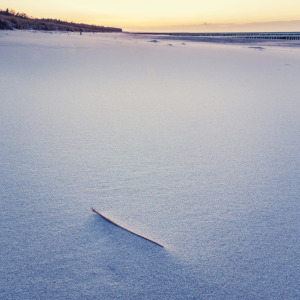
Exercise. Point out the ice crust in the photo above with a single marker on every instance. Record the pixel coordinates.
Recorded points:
(195, 146)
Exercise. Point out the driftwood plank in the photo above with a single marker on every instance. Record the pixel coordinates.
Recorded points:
(107, 219)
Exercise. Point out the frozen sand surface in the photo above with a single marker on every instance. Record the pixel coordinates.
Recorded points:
(70, 39)
(195, 146)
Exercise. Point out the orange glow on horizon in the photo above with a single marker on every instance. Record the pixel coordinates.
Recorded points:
(165, 15)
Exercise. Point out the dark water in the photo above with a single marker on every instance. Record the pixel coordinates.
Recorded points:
(196, 148)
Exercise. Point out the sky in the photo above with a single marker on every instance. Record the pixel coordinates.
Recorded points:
(167, 15)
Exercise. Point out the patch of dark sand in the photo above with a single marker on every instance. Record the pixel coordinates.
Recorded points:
(258, 48)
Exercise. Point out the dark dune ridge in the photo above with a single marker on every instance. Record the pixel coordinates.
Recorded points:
(10, 20)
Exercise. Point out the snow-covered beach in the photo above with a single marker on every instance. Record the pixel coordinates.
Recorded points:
(193, 144)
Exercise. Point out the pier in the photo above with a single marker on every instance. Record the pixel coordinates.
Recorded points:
(247, 35)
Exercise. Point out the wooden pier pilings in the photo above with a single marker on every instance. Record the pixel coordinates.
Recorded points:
(247, 35)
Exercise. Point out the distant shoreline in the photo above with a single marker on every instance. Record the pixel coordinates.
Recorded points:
(9, 20)
(250, 35)
(255, 39)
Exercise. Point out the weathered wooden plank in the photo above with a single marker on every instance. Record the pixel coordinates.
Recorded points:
(107, 219)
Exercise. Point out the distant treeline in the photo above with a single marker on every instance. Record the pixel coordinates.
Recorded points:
(11, 20)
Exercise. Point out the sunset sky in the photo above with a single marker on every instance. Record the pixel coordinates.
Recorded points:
(167, 15)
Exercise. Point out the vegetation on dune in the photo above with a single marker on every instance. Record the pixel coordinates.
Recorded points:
(10, 20)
